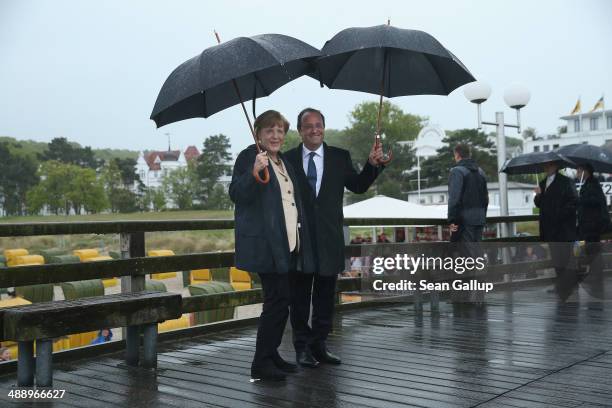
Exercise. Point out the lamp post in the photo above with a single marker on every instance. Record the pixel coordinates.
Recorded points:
(516, 96)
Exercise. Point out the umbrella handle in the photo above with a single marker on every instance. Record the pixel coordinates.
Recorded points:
(266, 172)
(389, 154)
(265, 179)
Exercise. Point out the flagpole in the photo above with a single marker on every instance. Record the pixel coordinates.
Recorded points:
(580, 117)
(603, 112)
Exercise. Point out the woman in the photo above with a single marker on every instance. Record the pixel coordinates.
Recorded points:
(271, 237)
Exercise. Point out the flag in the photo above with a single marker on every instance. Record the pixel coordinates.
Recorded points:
(599, 104)
(577, 108)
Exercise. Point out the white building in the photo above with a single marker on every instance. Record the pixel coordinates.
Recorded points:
(520, 197)
(151, 166)
(593, 128)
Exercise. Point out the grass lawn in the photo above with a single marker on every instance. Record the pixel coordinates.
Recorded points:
(181, 242)
(139, 216)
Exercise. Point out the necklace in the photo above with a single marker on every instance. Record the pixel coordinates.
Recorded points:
(277, 162)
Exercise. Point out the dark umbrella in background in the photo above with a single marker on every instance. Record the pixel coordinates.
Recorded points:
(238, 70)
(599, 158)
(533, 163)
(389, 61)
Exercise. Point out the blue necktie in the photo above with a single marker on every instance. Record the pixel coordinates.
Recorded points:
(311, 175)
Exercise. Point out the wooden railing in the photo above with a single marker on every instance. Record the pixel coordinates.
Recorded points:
(134, 265)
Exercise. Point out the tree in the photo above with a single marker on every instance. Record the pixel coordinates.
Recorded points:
(398, 128)
(64, 187)
(127, 170)
(212, 164)
(181, 186)
(152, 198)
(119, 177)
(435, 169)
(529, 134)
(219, 199)
(59, 149)
(86, 192)
(17, 176)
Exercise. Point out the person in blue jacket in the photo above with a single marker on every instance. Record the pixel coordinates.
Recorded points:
(104, 335)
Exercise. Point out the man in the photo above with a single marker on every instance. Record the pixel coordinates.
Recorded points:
(323, 173)
(468, 197)
(593, 220)
(556, 198)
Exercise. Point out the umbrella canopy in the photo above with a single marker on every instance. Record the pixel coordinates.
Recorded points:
(533, 163)
(390, 61)
(204, 85)
(599, 158)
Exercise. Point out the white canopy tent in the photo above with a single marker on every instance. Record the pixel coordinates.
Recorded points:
(385, 207)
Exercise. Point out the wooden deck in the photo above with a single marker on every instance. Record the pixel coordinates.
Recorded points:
(526, 351)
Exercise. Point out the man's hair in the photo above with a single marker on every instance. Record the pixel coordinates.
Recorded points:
(462, 150)
(270, 118)
(304, 112)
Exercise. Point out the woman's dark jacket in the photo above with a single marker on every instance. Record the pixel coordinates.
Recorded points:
(260, 231)
(593, 217)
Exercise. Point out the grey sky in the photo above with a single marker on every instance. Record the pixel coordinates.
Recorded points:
(91, 70)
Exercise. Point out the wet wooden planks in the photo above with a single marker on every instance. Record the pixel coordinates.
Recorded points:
(523, 351)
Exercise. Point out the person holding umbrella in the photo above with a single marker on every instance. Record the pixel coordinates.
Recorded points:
(272, 237)
(323, 174)
(556, 198)
(593, 219)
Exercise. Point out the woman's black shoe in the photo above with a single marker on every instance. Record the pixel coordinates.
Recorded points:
(268, 373)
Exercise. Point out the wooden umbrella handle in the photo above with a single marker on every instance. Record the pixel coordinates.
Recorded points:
(265, 179)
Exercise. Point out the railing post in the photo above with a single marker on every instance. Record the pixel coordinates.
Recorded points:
(434, 297)
(418, 302)
(132, 246)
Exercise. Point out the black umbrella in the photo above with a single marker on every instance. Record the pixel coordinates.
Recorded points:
(599, 158)
(533, 163)
(390, 61)
(238, 70)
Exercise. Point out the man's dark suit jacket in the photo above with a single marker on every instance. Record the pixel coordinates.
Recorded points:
(324, 212)
(557, 206)
(260, 231)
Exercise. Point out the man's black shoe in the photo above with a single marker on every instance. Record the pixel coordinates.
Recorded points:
(267, 373)
(305, 359)
(322, 354)
(284, 365)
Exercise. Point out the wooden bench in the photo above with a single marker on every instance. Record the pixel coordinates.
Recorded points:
(41, 322)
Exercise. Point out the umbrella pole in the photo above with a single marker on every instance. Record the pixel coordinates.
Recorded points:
(377, 139)
(266, 177)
